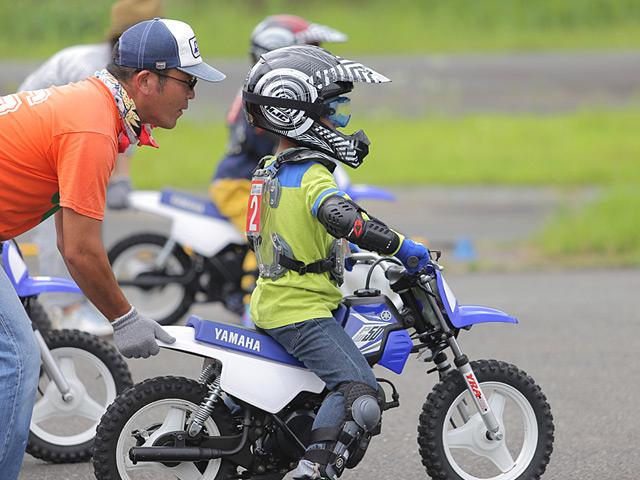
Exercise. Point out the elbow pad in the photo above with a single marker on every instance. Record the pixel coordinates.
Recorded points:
(343, 218)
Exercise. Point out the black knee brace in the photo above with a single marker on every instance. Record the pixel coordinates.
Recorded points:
(361, 421)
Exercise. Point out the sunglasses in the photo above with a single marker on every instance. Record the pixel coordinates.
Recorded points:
(191, 83)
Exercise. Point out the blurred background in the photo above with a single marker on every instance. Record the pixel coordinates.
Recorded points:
(486, 95)
(509, 135)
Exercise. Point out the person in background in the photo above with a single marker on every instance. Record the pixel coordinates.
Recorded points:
(69, 310)
(229, 188)
(58, 148)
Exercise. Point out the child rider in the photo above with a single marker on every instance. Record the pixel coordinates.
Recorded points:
(299, 224)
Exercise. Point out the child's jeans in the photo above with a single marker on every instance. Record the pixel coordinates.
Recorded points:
(328, 351)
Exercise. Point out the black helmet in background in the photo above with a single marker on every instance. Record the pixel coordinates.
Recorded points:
(287, 92)
(278, 31)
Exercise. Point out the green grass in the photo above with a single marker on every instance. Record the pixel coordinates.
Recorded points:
(37, 28)
(605, 232)
(586, 148)
(583, 148)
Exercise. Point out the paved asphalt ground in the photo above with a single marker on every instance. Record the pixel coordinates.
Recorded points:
(577, 338)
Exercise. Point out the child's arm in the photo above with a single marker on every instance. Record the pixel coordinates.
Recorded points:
(343, 218)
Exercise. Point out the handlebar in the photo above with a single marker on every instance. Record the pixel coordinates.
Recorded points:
(371, 257)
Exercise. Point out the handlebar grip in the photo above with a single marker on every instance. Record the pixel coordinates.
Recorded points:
(412, 261)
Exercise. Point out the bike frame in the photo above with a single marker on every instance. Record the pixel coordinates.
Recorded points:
(257, 389)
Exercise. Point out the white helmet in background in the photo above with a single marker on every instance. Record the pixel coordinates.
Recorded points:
(277, 31)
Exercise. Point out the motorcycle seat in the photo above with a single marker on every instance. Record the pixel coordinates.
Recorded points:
(241, 339)
(190, 203)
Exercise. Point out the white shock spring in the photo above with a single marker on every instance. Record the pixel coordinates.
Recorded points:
(205, 408)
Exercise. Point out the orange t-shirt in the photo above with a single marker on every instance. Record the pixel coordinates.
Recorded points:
(58, 147)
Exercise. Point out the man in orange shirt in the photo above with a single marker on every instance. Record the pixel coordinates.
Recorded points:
(57, 150)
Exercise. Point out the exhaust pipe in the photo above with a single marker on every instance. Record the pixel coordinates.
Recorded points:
(188, 454)
(173, 454)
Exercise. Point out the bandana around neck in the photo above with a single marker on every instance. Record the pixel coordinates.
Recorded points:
(134, 132)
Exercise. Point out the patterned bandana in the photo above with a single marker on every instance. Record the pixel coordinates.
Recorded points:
(134, 132)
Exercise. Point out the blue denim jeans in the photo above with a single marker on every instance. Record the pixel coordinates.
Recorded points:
(19, 373)
(326, 349)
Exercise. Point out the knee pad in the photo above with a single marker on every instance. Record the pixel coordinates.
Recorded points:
(345, 445)
(361, 404)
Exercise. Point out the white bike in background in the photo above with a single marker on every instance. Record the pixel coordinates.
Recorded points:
(201, 259)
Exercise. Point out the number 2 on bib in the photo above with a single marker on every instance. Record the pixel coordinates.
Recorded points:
(255, 204)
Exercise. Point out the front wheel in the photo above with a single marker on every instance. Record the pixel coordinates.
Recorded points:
(143, 416)
(453, 439)
(62, 431)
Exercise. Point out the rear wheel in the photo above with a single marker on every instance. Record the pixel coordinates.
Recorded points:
(133, 257)
(143, 415)
(453, 439)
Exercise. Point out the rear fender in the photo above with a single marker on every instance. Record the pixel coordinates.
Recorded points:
(264, 383)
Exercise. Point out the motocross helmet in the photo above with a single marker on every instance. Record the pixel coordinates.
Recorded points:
(290, 90)
(277, 31)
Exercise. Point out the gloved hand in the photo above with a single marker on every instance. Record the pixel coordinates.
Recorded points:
(118, 191)
(135, 335)
(414, 256)
(348, 263)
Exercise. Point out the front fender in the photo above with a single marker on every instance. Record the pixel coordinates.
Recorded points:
(30, 286)
(471, 314)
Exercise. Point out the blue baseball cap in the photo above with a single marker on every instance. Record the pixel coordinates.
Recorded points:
(160, 44)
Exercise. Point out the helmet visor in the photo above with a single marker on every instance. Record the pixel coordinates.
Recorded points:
(341, 108)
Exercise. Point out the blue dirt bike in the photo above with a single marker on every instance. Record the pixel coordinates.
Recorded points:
(81, 374)
(250, 414)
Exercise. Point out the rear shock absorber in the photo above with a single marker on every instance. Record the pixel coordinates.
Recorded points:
(205, 408)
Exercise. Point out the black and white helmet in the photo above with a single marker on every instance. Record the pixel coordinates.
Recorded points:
(286, 93)
(278, 31)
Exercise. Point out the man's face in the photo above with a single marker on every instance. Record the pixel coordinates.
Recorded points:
(168, 97)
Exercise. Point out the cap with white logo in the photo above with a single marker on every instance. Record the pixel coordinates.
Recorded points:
(160, 44)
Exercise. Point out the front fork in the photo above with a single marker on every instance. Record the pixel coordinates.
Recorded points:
(52, 369)
(473, 386)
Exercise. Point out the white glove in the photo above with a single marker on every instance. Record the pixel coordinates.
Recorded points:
(135, 335)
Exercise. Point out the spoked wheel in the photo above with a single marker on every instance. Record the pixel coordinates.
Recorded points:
(136, 256)
(62, 430)
(453, 439)
(142, 416)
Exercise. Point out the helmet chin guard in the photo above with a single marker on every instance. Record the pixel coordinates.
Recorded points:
(285, 93)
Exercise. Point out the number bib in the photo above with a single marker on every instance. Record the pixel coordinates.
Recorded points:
(255, 206)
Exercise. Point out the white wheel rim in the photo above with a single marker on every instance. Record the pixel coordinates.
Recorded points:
(158, 302)
(83, 404)
(174, 420)
(471, 437)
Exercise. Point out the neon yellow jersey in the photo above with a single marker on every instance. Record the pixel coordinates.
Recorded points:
(295, 298)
